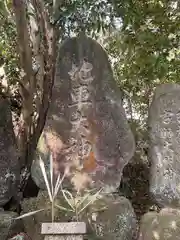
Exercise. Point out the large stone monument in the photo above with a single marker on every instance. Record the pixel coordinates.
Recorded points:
(86, 129)
(9, 165)
(164, 153)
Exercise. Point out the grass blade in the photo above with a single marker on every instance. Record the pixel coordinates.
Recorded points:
(63, 208)
(58, 184)
(41, 163)
(29, 214)
(85, 197)
(64, 192)
(68, 193)
(52, 211)
(82, 200)
(93, 200)
(51, 173)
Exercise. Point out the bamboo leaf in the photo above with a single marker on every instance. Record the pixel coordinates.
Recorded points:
(63, 208)
(51, 173)
(82, 200)
(58, 184)
(93, 200)
(64, 192)
(29, 214)
(41, 163)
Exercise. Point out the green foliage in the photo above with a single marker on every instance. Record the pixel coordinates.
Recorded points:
(146, 50)
(71, 16)
(8, 44)
(90, 16)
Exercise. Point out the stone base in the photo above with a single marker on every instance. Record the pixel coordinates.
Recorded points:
(63, 230)
(65, 237)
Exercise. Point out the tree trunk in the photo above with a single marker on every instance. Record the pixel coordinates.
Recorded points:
(33, 114)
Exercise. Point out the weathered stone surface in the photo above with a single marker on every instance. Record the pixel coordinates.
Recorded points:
(33, 223)
(9, 226)
(117, 221)
(9, 166)
(164, 154)
(86, 116)
(36, 172)
(110, 217)
(160, 226)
